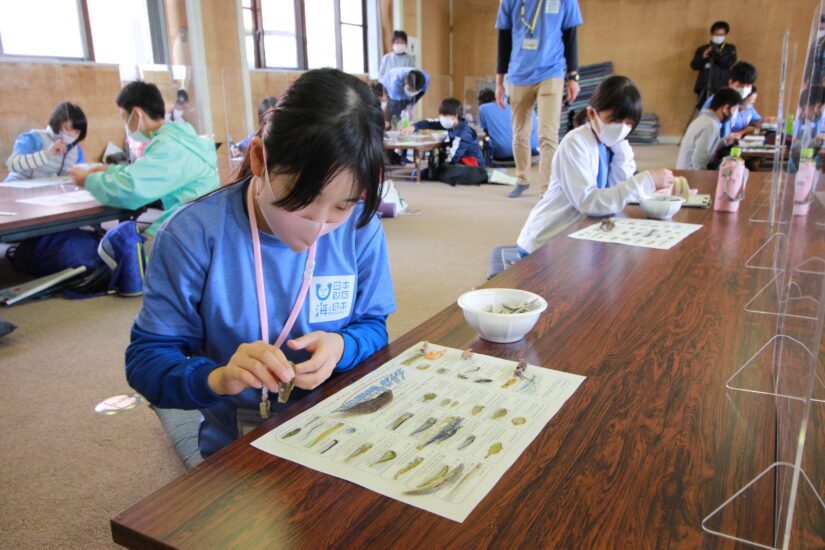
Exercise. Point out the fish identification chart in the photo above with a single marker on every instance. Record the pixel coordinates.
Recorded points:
(435, 427)
(635, 232)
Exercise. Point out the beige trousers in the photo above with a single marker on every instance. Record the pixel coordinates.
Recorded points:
(548, 94)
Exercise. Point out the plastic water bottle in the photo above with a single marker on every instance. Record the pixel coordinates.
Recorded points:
(405, 119)
(730, 186)
(804, 184)
(394, 122)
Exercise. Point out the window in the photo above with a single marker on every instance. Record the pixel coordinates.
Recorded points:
(126, 32)
(306, 34)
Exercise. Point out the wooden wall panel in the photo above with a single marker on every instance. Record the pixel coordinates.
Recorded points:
(652, 42)
(30, 92)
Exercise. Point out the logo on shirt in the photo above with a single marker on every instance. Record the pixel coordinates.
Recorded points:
(330, 297)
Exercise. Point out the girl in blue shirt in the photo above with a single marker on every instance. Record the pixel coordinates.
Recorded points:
(229, 272)
(51, 151)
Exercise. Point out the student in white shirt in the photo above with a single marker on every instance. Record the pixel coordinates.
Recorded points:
(702, 136)
(592, 171)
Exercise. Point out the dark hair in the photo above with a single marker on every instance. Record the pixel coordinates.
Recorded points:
(451, 106)
(813, 95)
(720, 25)
(415, 80)
(743, 72)
(399, 35)
(71, 112)
(725, 96)
(325, 122)
(621, 96)
(266, 104)
(144, 95)
(182, 97)
(377, 89)
(486, 95)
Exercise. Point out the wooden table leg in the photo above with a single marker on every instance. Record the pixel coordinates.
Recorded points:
(417, 157)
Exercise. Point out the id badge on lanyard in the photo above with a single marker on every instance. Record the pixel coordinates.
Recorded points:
(530, 43)
(552, 6)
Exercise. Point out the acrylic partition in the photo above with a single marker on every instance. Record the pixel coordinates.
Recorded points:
(472, 86)
(237, 121)
(31, 90)
(785, 369)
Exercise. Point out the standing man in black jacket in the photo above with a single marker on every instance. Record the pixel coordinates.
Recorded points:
(713, 61)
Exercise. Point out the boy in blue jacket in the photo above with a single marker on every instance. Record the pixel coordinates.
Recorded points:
(463, 161)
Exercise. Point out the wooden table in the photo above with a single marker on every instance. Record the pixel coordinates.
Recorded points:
(649, 444)
(31, 220)
(419, 148)
(756, 156)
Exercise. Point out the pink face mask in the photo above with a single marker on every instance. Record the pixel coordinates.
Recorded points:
(296, 232)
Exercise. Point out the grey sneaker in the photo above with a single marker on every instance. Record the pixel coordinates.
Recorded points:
(520, 188)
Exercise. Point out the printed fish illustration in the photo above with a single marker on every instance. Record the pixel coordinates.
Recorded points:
(509, 383)
(464, 480)
(401, 419)
(452, 426)
(454, 404)
(433, 355)
(429, 396)
(467, 353)
(482, 380)
(477, 409)
(494, 449)
(445, 402)
(434, 484)
(369, 405)
(518, 421)
(325, 433)
(418, 460)
(296, 431)
(389, 455)
(359, 451)
(499, 413)
(421, 353)
(467, 442)
(426, 425)
(441, 370)
(332, 444)
(423, 367)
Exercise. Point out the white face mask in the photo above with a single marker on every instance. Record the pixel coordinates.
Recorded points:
(136, 135)
(744, 92)
(383, 105)
(67, 139)
(447, 121)
(717, 39)
(820, 33)
(399, 48)
(610, 133)
(410, 93)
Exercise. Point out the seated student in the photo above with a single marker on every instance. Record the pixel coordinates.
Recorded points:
(398, 57)
(742, 77)
(464, 148)
(702, 135)
(180, 110)
(265, 104)
(203, 339)
(593, 169)
(404, 86)
(177, 166)
(746, 120)
(498, 124)
(51, 151)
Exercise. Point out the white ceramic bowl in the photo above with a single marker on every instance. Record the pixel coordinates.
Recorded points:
(392, 135)
(501, 328)
(661, 207)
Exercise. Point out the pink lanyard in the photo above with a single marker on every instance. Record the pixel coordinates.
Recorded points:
(259, 283)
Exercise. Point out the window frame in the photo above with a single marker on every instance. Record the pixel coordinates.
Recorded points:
(258, 33)
(156, 13)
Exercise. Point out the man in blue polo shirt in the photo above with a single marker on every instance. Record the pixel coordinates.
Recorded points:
(537, 49)
(404, 86)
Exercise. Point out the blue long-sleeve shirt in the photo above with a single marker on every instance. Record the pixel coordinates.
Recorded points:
(463, 139)
(200, 304)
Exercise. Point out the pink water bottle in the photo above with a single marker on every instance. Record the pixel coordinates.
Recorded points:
(730, 187)
(803, 194)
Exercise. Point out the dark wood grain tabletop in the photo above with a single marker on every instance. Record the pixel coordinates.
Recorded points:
(23, 220)
(648, 446)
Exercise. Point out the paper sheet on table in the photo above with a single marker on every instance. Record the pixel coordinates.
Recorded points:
(496, 414)
(37, 182)
(634, 232)
(61, 199)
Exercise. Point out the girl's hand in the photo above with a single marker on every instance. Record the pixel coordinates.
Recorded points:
(662, 178)
(57, 148)
(326, 348)
(408, 130)
(253, 365)
(79, 175)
